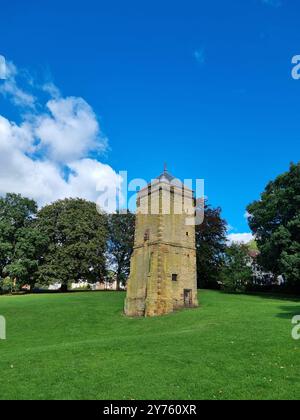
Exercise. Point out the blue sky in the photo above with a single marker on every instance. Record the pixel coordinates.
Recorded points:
(204, 85)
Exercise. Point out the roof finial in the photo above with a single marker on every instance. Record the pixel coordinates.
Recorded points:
(165, 168)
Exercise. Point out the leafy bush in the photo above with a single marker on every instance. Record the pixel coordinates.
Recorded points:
(236, 273)
(6, 285)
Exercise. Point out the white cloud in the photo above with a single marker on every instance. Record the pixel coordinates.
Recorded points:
(46, 156)
(243, 238)
(2, 68)
(51, 89)
(44, 179)
(13, 136)
(91, 178)
(11, 90)
(247, 215)
(70, 130)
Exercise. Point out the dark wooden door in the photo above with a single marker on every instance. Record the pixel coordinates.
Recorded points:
(187, 297)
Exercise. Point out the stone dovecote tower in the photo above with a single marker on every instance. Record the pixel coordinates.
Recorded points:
(163, 265)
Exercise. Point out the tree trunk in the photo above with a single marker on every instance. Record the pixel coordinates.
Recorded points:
(118, 278)
(64, 288)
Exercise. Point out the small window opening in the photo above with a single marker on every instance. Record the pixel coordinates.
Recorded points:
(147, 235)
(174, 277)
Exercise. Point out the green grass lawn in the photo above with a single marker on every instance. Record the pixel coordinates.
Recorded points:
(80, 346)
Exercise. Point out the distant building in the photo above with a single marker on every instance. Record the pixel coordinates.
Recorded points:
(54, 286)
(82, 284)
(261, 277)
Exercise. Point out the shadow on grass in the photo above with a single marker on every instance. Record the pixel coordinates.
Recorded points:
(278, 293)
(274, 296)
(288, 312)
(58, 292)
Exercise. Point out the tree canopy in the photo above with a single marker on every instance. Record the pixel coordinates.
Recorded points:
(77, 236)
(21, 242)
(210, 247)
(275, 221)
(120, 244)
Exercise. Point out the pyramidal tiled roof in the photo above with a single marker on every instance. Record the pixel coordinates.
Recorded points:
(168, 178)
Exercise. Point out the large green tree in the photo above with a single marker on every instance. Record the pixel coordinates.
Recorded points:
(120, 244)
(77, 242)
(21, 243)
(210, 247)
(275, 221)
